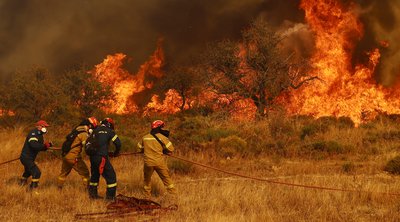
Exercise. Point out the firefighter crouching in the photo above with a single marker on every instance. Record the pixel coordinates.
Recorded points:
(99, 161)
(72, 154)
(34, 143)
(154, 145)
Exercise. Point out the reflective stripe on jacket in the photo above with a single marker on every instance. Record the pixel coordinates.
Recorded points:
(33, 144)
(153, 151)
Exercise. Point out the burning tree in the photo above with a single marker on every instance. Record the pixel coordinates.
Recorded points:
(185, 81)
(255, 68)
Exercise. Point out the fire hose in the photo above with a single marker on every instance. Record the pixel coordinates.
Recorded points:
(15, 159)
(246, 176)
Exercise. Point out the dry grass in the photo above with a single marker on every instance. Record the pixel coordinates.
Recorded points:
(206, 195)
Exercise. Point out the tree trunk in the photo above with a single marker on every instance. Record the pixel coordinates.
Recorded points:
(261, 104)
(183, 101)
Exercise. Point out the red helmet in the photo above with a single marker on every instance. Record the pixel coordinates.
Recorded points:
(93, 121)
(110, 121)
(157, 123)
(42, 123)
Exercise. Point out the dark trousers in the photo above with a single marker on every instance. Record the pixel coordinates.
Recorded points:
(30, 169)
(98, 162)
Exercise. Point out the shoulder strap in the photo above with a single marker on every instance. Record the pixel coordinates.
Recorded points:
(79, 132)
(158, 139)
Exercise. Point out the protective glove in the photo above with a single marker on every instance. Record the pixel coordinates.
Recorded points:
(166, 152)
(48, 145)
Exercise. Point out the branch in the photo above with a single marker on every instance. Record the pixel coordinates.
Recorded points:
(304, 81)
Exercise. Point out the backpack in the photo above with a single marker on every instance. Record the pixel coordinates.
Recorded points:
(69, 139)
(91, 146)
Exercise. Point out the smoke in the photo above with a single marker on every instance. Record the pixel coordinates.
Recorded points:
(381, 19)
(59, 35)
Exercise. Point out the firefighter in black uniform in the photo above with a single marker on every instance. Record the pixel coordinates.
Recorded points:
(34, 143)
(100, 163)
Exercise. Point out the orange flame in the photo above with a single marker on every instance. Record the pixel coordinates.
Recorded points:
(343, 91)
(125, 84)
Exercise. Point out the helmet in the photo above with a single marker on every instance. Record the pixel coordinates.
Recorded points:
(108, 122)
(93, 121)
(42, 123)
(157, 124)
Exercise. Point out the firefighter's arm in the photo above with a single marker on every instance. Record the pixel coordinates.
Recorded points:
(35, 144)
(117, 142)
(168, 145)
(83, 137)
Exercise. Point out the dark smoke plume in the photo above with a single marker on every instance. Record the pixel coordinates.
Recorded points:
(59, 35)
(381, 20)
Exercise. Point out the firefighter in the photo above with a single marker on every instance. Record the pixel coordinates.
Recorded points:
(73, 158)
(154, 145)
(34, 143)
(100, 163)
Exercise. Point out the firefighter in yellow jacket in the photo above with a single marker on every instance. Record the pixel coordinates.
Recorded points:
(72, 154)
(154, 145)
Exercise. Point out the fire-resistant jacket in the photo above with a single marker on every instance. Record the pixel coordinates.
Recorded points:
(79, 142)
(104, 135)
(33, 145)
(153, 151)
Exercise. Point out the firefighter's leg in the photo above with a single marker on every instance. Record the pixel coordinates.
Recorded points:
(111, 179)
(95, 176)
(148, 171)
(24, 179)
(35, 172)
(67, 165)
(83, 171)
(163, 172)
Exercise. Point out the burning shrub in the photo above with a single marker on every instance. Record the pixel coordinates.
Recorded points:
(393, 166)
(232, 145)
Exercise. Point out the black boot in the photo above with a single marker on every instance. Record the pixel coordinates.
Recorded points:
(110, 194)
(34, 185)
(93, 193)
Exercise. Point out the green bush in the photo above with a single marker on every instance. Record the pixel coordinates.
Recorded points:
(345, 122)
(348, 167)
(393, 166)
(216, 133)
(325, 122)
(192, 123)
(331, 147)
(232, 145)
(128, 143)
(391, 135)
(309, 130)
(370, 138)
(279, 125)
(180, 167)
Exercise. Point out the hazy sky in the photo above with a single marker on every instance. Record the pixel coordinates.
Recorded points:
(58, 34)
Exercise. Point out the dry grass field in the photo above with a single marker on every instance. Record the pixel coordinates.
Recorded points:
(207, 195)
